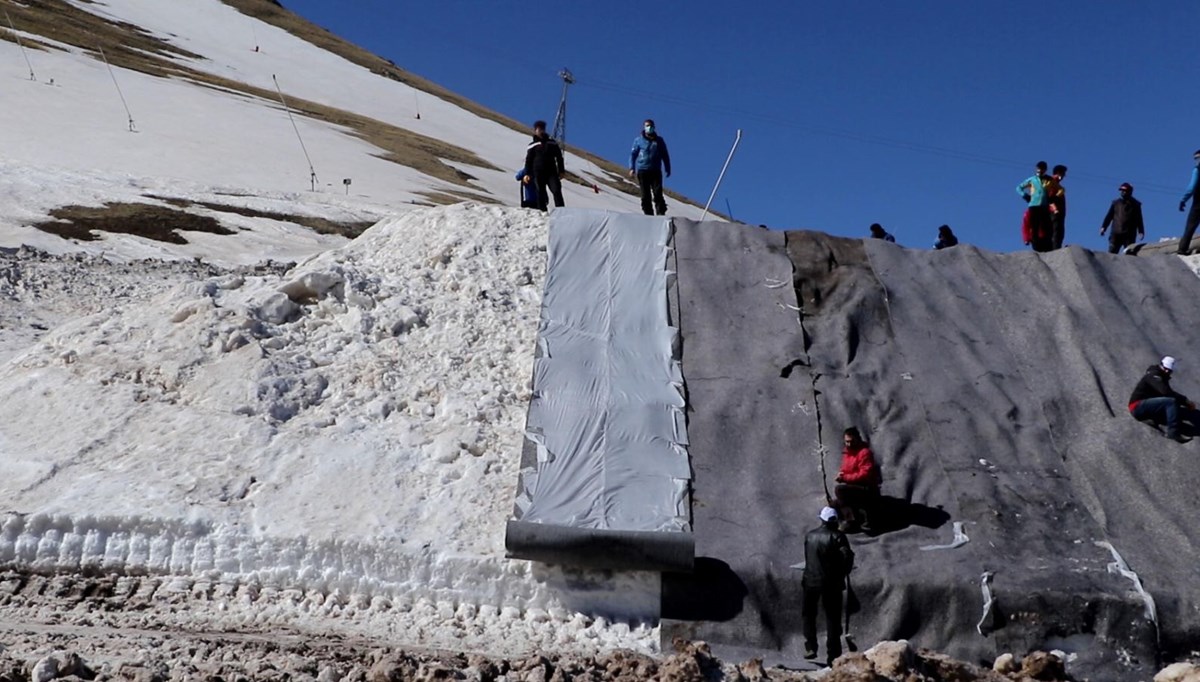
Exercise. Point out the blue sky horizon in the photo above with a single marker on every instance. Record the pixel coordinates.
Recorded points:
(852, 113)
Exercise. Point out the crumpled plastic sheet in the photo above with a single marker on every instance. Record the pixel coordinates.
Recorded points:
(960, 539)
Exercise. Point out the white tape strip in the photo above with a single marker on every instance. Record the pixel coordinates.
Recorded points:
(1119, 566)
(960, 539)
(985, 586)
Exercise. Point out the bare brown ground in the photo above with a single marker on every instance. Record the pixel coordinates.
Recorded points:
(349, 229)
(144, 220)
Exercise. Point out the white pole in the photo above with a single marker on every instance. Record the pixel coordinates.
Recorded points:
(20, 45)
(132, 127)
(312, 173)
(729, 158)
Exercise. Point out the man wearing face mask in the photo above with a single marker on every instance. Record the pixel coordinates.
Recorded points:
(647, 162)
(1193, 219)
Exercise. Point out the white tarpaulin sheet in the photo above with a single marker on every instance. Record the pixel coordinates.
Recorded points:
(607, 410)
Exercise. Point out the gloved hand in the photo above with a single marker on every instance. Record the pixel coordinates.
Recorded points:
(1183, 206)
(1025, 198)
(668, 174)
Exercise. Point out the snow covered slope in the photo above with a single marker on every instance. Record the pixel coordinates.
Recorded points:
(199, 83)
(330, 446)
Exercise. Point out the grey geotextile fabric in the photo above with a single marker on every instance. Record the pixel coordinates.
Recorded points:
(606, 433)
(993, 390)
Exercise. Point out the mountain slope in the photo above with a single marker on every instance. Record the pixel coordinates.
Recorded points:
(202, 84)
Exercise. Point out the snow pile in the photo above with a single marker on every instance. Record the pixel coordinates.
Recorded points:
(349, 430)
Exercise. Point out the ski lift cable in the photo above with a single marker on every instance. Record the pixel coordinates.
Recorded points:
(944, 152)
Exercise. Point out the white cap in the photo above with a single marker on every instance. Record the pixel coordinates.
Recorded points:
(828, 514)
(1168, 363)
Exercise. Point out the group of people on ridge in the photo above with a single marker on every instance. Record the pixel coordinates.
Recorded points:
(541, 177)
(1043, 225)
(945, 236)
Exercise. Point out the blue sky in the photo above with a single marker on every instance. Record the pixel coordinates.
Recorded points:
(910, 114)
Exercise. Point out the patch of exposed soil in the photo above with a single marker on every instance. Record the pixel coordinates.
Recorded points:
(348, 229)
(143, 220)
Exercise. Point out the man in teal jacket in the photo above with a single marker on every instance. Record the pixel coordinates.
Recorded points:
(1033, 190)
(647, 162)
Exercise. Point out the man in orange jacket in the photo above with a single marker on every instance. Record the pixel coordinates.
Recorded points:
(858, 481)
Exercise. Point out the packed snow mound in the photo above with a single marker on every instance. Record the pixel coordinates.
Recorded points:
(352, 424)
(404, 354)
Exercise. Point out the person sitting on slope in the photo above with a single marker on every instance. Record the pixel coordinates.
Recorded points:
(945, 239)
(857, 491)
(1154, 400)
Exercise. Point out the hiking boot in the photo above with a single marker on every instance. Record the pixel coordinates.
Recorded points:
(1180, 438)
(809, 654)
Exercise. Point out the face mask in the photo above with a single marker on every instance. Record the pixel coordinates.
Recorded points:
(649, 129)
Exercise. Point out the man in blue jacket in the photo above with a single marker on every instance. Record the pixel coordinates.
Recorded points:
(1193, 219)
(647, 162)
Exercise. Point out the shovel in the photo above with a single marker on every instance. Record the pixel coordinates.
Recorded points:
(852, 606)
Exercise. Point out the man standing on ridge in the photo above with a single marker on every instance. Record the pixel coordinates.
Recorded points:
(544, 166)
(1125, 216)
(1057, 196)
(828, 560)
(1033, 191)
(1154, 400)
(646, 162)
(1193, 219)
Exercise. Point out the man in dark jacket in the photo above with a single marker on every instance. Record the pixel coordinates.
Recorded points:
(945, 238)
(646, 162)
(877, 232)
(544, 166)
(827, 563)
(1153, 399)
(1125, 216)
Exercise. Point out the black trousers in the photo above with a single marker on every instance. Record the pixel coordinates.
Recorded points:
(854, 502)
(830, 599)
(548, 184)
(650, 182)
(1117, 241)
(1058, 223)
(1193, 219)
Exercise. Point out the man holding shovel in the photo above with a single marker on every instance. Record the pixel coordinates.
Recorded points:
(827, 563)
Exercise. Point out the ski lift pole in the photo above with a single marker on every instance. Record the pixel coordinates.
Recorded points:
(720, 177)
(21, 45)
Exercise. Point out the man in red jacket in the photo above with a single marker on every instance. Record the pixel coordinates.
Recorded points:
(858, 481)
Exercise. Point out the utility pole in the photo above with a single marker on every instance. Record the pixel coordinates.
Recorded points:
(560, 120)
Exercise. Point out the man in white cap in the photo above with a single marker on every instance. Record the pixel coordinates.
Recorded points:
(827, 563)
(1154, 400)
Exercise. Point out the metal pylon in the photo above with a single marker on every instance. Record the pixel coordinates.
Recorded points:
(560, 119)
